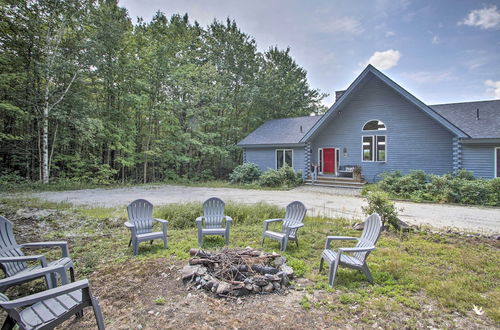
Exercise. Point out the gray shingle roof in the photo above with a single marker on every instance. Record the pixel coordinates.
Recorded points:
(463, 116)
(280, 131)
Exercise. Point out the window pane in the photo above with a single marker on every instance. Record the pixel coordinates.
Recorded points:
(374, 125)
(381, 148)
(279, 158)
(288, 157)
(367, 148)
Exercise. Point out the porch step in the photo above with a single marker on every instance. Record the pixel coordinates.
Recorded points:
(338, 182)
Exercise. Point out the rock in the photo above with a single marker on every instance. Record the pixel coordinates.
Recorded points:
(403, 226)
(279, 261)
(276, 286)
(240, 292)
(214, 286)
(223, 288)
(32, 213)
(495, 237)
(270, 277)
(249, 287)
(188, 271)
(268, 288)
(359, 226)
(285, 280)
(256, 288)
(201, 271)
(287, 270)
(260, 280)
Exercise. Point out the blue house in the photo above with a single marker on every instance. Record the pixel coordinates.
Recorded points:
(381, 127)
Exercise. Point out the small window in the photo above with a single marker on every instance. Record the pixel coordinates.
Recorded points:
(284, 156)
(374, 125)
(380, 148)
(367, 148)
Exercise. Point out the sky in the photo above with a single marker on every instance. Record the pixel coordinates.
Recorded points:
(441, 51)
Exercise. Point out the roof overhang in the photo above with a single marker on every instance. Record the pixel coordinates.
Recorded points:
(481, 141)
(412, 99)
(272, 145)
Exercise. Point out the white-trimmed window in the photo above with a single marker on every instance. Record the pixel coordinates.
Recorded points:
(284, 156)
(374, 147)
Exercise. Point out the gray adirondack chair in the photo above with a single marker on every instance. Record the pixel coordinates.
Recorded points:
(356, 256)
(47, 309)
(13, 262)
(294, 217)
(212, 222)
(140, 222)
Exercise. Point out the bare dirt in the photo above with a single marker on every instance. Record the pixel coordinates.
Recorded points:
(127, 294)
(319, 200)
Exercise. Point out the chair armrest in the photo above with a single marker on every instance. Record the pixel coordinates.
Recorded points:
(296, 226)
(228, 218)
(39, 257)
(51, 293)
(357, 249)
(164, 224)
(329, 239)
(34, 274)
(61, 244)
(268, 221)
(272, 220)
(129, 225)
(200, 219)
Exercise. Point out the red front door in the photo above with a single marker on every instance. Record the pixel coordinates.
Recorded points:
(328, 160)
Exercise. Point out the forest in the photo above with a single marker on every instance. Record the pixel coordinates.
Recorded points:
(89, 94)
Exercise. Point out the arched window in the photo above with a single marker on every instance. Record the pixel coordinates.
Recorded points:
(373, 147)
(374, 125)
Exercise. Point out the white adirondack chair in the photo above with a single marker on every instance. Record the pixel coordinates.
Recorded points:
(140, 222)
(213, 221)
(353, 257)
(294, 217)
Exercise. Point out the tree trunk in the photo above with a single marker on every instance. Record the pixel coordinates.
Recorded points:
(45, 136)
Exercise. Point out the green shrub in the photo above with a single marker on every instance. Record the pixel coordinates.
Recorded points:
(245, 173)
(460, 188)
(285, 176)
(379, 202)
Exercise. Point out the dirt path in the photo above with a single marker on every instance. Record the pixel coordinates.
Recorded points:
(324, 201)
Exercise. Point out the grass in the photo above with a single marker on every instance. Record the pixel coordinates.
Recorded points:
(64, 185)
(453, 272)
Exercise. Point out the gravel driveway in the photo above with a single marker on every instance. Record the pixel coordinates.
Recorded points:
(324, 201)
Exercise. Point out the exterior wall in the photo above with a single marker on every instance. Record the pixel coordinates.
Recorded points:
(265, 157)
(479, 159)
(414, 140)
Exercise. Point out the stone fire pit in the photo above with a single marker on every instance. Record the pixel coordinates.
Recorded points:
(237, 272)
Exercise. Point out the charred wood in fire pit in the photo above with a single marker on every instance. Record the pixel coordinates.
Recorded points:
(264, 269)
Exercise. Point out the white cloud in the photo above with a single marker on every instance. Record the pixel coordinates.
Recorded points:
(486, 18)
(390, 34)
(435, 40)
(493, 88)
(385, 60)
(343, 24)
(426, 77)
